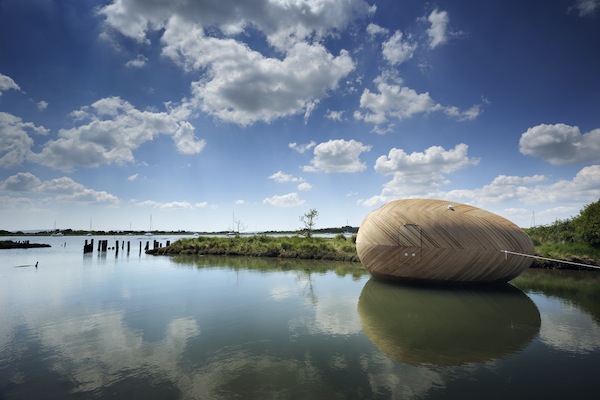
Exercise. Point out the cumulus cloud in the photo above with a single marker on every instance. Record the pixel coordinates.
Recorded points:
(418, 172)
(42, 105)
(583, 188)
(395, 101)
(21, 182)
(282, 177)
(285, 200)
(62, 189)
(561, 144)
(281, 22)
(536, 192)
(338, 156)
(302, 148)
(138, 62)
(15, 142)
(437, 32)
(374, 30)
(241, 84)
(396, 50)
(133, 177)
(304, 186)
(111, 130)
(7, 83)
(66, 189)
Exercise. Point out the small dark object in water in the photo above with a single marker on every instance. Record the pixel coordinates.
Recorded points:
(9, 244)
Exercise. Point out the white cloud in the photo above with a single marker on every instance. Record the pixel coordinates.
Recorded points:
(62, 189)
(240, 84)
(301, 148)
(21, 182)
(338, 156)
(438, 30)
(398, 102)
(138, 62)
(280, 21)
(418, 173)
(173, 205)
(7, 83)
(286, 200)
(244, 87)
(282, 177)
(537, 193)
(177, 205)
(561, 144)
(186, 141)
(335, 115)
(304, 186)
(527, 194)
(396, 50)
(15, 142)
(374, 29)
(66, 189)
(113, 128)
(133, 177)
(586, 7)
(42, 105)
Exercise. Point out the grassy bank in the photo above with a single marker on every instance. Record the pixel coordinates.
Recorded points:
(341, 248)
(548, 244)
(335, 249)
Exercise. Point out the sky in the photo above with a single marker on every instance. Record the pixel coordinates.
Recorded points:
(205, 115)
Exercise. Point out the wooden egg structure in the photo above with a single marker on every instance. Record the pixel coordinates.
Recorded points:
(439, 241)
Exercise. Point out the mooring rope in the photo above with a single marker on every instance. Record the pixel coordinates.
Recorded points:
(506, 252)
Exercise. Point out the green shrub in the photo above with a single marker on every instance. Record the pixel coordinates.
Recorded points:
(588, 224)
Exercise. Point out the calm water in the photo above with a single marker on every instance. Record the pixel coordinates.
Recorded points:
(135, 326)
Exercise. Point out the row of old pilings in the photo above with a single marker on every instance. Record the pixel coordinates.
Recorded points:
(103, 246)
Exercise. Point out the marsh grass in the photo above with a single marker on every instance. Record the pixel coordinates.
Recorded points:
(265, 246)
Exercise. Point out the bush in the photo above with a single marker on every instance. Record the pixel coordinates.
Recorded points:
(588, 224)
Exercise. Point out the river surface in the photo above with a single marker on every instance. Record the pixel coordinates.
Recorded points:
(125, 325)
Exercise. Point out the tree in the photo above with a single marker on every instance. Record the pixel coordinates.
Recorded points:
(588, 224)
(309, 221)
(239, 227)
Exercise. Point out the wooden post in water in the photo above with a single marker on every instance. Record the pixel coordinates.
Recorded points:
(128, 246)
(104, 245)
(117, 246)
(168, 243)
(88, 248)
(140, 248)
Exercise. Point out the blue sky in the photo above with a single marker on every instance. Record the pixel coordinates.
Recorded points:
(197, 111)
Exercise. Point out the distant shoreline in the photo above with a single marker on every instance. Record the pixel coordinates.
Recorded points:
(71, 232)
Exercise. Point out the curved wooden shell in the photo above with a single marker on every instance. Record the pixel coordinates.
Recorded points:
(441, 241)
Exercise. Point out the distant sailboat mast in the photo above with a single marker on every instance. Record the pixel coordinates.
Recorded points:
(150, 232)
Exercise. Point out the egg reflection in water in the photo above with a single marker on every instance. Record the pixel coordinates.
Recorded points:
(443, 326)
